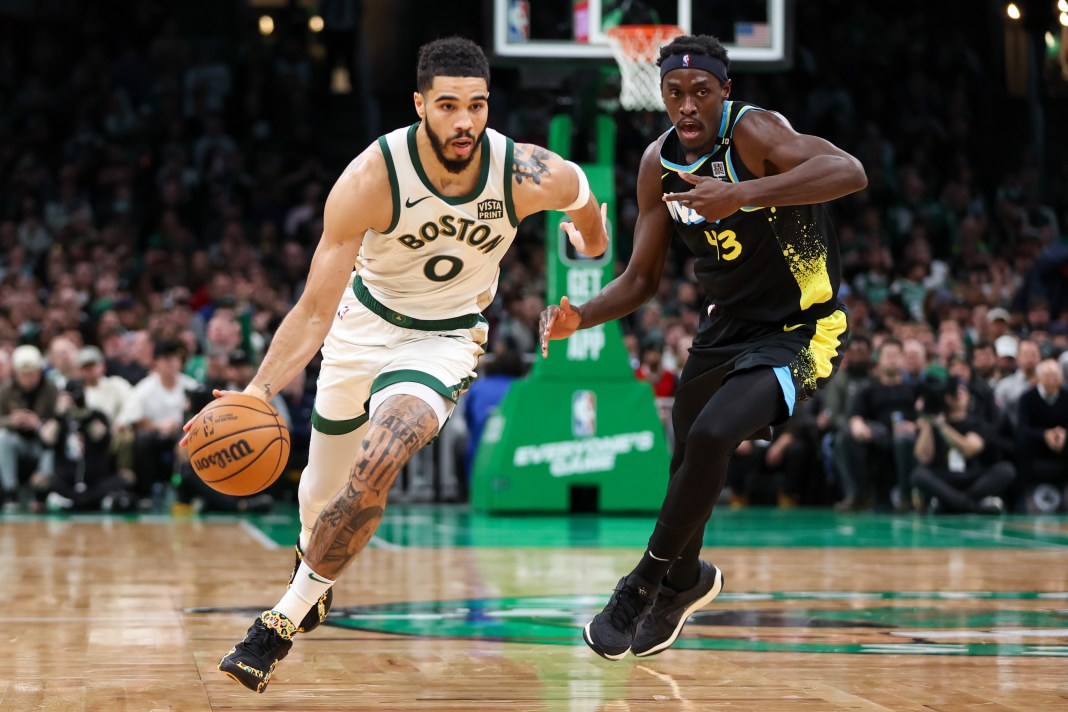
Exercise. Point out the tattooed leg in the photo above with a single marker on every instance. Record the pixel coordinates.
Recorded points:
(399, 428)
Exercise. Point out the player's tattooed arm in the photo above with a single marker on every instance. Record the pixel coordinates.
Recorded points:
(531, 163)
(351, 518)
(267, 393)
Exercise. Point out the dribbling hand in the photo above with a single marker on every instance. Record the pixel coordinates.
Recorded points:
(576, 237)
(215, 393)
(558, 322)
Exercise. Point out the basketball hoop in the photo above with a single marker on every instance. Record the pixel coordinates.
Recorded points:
(636, 49)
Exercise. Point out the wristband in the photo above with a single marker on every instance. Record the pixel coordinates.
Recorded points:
(583, 192)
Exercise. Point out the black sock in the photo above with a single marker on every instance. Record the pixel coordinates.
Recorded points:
(683, 573)
(651, 569)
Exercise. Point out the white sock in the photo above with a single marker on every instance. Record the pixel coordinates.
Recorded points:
(303, 593)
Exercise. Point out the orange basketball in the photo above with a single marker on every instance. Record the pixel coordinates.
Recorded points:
(238, 445)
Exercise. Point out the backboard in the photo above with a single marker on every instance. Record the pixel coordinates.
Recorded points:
(755, 32)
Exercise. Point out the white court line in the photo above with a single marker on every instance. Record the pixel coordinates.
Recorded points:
(256, 533)
(380, 543)
(994, 536)
(268, 543)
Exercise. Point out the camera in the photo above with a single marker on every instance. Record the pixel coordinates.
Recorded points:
(934, 392)
(76, 389)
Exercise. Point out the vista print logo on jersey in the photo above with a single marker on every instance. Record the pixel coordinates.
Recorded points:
(490, 210)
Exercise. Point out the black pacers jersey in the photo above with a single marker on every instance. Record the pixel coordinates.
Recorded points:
(777, 265)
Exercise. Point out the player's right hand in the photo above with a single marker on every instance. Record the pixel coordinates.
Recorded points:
(558, 322)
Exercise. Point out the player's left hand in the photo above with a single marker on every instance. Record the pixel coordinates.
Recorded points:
(711, 198)
(576, 237)
(558, 322)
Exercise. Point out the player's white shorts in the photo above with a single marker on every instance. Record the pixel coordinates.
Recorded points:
(364, 355)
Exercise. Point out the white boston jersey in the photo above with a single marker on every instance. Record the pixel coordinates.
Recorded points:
(440, 257)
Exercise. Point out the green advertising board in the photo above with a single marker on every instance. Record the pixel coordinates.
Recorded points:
(580, 432)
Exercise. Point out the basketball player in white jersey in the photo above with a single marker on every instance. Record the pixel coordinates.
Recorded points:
(425, 214)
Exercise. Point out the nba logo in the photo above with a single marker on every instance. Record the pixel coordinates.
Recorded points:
(686, 60)
(584, 414)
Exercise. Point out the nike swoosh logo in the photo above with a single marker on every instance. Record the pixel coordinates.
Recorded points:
(791, 328)
(313, 577)
(409, 203)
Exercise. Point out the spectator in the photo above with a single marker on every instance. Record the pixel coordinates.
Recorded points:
(985, 363)
(63, 360)
(1006, 348)
(882, 430)
(949, 449)
(108, 395)
(84, 475)
(133, 356)
(652, 371)
(156, 411)
(997, 323)
(784, 462)
(1010, 388)
(1043, 423)
(222, 336)
(25, 405)
(839, 396)
(915, 360)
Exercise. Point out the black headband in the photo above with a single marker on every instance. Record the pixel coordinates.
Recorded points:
(713, 66)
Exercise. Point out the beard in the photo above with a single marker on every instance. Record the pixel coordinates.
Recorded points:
(452, 165)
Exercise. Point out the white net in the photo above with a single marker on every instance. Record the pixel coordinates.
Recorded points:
(636, 48)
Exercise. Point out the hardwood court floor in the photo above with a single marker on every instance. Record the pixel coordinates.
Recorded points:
(451, 611)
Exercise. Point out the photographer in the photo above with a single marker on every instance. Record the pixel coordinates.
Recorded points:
(80, 439)
(949, 449)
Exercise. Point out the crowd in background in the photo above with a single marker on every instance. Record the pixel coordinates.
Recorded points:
(160, 200)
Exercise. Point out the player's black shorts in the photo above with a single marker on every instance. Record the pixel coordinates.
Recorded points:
(803, 356)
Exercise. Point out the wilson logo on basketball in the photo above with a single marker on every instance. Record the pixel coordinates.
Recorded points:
(225, 456)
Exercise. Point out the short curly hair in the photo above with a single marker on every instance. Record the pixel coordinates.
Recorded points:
(450, 57)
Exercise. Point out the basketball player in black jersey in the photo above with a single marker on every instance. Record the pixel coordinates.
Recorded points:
(743, 191)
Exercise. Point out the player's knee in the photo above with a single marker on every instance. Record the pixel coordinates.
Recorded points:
(715, 438)
(314, 492)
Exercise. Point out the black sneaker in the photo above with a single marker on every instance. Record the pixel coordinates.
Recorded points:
(319, 611)
(611, 631)
(662, 626)
(252, 661)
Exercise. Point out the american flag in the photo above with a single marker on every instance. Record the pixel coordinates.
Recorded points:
(751, 34)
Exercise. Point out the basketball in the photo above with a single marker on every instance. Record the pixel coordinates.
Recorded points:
(238, 445)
